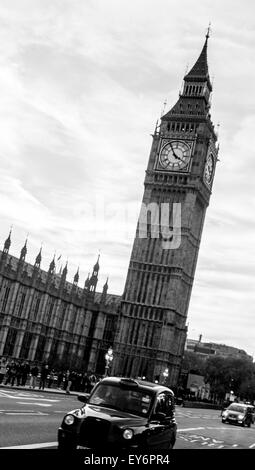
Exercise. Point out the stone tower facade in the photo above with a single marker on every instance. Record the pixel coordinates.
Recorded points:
(152, 328)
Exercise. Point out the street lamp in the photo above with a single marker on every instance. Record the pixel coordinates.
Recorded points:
(108, 359)
(165, 374)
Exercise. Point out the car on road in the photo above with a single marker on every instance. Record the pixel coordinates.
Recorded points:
(238, 413)
(121, 413)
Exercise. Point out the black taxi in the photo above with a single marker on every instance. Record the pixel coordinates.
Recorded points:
(121, 413)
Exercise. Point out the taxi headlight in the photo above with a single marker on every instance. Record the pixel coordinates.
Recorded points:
(128, 434)
(69, 419)
(224, 414)
(240, 416)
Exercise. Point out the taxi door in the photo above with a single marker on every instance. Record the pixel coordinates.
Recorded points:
(161, 432)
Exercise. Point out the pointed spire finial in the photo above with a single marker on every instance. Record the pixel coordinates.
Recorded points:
(7, 242)
(209, 29)
(23, 251)
(39, 258)
(164, 107)
(96, 267)
(64, 272)
(52, 264)
(76, 277)
(87, 282)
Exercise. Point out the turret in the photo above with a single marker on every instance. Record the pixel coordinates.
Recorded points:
(23, 252)
(104, 293)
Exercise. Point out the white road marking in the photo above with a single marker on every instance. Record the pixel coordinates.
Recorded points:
(28, 397)
(31, 398)
(189, 429)
(253, 445)
(5, 411)
(32, 446)
(214, 428)
(38, 404)
(34, 413)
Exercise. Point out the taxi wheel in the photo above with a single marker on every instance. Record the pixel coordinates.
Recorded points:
(67, 447)
(171, 445)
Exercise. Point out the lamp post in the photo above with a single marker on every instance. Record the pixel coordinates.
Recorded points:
(165, 374)
(108, 359)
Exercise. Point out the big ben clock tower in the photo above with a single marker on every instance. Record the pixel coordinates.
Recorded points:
(152, 330)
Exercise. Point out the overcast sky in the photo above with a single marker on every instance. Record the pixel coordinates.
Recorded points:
(82, 83)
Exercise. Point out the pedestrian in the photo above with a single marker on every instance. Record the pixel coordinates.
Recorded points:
(34, 374)
(60, 379)
(93, 381)
(86, 383)
(44, 374)
(11, 373)
(70, 380)
(19, 372)
(51, 378)
(3, 368)
(25, 372)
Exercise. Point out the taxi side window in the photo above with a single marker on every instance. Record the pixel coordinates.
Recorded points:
(164, 404)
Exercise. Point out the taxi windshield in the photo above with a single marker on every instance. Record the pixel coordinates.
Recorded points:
(125, 399)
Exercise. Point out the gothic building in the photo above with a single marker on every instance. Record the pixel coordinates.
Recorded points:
(45, 318)
(152, 330)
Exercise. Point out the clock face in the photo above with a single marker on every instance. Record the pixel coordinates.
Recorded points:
(209, 167)
(175, 155)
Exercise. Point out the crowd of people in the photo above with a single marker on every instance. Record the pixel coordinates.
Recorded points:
(21, 373)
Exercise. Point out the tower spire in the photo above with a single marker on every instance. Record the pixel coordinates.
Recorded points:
(76, 277)
(194, 99)
(208, 31)
(38, 259)
(52, 265)
(23, 252)
(200, 68)
(7, 242)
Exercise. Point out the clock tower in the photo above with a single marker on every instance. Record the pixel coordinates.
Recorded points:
(178, 183)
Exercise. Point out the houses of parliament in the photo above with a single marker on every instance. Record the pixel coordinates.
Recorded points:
(44, 318)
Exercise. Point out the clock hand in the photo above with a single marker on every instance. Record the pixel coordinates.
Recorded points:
(176, 156)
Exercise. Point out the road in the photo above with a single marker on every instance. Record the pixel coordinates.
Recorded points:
(203, 429)
(30, 419)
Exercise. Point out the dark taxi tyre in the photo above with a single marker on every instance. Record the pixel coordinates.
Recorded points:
(66, 446)
(171, 445)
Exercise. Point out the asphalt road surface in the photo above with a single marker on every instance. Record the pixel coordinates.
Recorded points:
(203, 429)
(30, 419)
